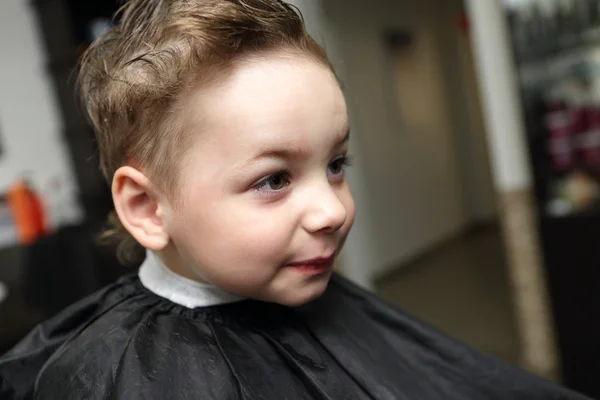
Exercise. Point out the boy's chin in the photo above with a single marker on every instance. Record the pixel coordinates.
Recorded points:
(301, 296)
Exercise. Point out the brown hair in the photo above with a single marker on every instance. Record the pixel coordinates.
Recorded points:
(132, 78)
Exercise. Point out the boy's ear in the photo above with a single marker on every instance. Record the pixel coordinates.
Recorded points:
(138, 208)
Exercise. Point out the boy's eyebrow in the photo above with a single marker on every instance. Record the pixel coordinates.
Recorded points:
(278, 151)
(346, 137)
(288, 153)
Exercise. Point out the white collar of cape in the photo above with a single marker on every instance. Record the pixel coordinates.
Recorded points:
(163, 282)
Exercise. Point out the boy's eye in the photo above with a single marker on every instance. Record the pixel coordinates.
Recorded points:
(337, 166)
(276, 182)
(273, 182)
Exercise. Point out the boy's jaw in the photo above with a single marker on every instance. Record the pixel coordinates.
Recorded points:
(299, 281)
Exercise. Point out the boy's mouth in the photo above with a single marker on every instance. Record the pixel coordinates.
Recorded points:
(314, 266)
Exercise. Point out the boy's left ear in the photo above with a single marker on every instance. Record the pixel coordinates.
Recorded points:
(139, 208)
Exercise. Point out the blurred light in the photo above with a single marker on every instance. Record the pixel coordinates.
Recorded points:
(3, 292)
(517, 3)
(98, 27)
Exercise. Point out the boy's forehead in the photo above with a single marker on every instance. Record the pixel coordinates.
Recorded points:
(265, 93)
(276, 108)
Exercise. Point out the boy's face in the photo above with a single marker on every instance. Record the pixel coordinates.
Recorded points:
(264, 205)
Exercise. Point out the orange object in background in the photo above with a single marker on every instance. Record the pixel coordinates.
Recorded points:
(28, 213)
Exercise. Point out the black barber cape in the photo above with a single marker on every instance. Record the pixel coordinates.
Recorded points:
(126, 342)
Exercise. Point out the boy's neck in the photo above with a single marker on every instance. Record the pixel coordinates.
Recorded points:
(190, 293)
(172, 260)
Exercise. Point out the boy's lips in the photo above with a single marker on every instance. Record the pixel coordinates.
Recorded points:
(314, 266)
(314, 261)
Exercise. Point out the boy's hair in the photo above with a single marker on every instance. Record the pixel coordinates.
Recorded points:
(132, 79)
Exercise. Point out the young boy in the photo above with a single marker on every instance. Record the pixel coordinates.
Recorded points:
(224, 134)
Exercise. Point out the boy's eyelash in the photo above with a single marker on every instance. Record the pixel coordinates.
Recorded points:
(347, 161)
(265, 181)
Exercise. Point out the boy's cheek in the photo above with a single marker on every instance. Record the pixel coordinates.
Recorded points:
(350, 210)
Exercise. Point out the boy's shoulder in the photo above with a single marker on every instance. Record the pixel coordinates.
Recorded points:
(125, 342)
(79, 334)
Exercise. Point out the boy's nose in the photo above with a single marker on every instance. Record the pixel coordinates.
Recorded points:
(326, 212)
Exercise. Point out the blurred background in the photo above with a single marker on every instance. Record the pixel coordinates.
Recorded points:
(476, 128)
